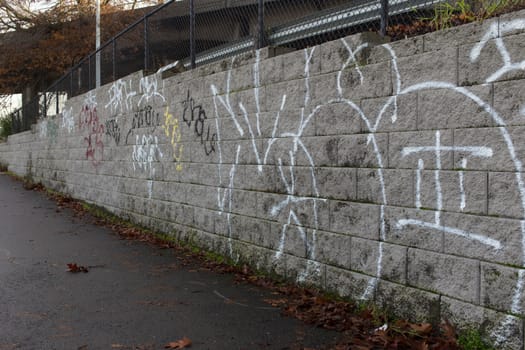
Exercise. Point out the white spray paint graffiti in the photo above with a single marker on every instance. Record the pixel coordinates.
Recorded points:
(68, 121)
(120, 96)
(287, 175)
(149, 89)
(495, 32)
(146, 153)
(261, 155)
(436, 225)
(42, 131)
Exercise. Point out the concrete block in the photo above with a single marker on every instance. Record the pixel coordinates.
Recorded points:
(509, 101)
(208, 173)
(242, 78)
(500, 288)
(301, 181)
(432, 66)
(334, 54)
(264, 180)
(272, 238)
(449, 109)
(365, 256)
(268, 205)
(359, 151)
(486, 238)
(357, 219)
(252, 101)
(402, 48)
(398, 186)
(249, 229)
(222, 223)
(413, 228)
(160, 190)
(295, 92)
(504, 197)
(228, 152)
(295, 63)
(502, 330)
(176, 192)
(408, 303)
(368, 81)
(280, 124)
(333, 249)
(485, 64)
(337, 183)
(460, 191)
(457, 36)
(271, 70)
(405, 149)
(322, 151)
(494, 143)
(347, 283)
(337, 119)
(304, 212)
(264, 260)
(243, 202)
(285, 239)
(228, 130)
(382, 115)
(305, 272)
(507, 18)
(201, 196)
(445, 274)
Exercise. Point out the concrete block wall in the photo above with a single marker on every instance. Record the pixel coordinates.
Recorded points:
(389, 172)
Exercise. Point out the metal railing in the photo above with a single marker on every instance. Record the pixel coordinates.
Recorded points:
(199, 32)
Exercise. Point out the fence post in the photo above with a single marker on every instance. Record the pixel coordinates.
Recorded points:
(261, 40)
(192, 34)
(114, 54)
(384, 17)
(146, 47)
(57, 106)
(14, 128)
(71, 83)
(44, 112)
(89, 73)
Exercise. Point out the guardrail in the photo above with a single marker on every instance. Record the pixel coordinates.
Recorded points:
(197, 35)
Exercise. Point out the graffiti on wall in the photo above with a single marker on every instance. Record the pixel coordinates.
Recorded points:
(146, 153)
(149, 89)
(120, 97)
(68, 121)
(145, 117)
(89, 122)
(290, 147)
(172, 131)
(48, 129)
(195, 116)
(247, 125)
(113, 130)
(285, 152)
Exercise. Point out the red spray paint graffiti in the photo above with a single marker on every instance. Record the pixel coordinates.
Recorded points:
(94, 146)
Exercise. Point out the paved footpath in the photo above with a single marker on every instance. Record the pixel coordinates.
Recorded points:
(134, 297)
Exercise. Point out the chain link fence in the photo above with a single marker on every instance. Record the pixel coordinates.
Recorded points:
(194, 33)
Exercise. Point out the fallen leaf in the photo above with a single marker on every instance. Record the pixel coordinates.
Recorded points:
(74, 268)
(423, 328)
(179, 344)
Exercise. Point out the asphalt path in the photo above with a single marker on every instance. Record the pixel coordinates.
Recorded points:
(134, 296)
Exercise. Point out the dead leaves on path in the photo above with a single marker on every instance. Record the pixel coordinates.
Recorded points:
(359, 327)
(179, 344)
(74, 268)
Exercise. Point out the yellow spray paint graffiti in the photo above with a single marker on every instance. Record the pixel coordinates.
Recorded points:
(172, 130)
